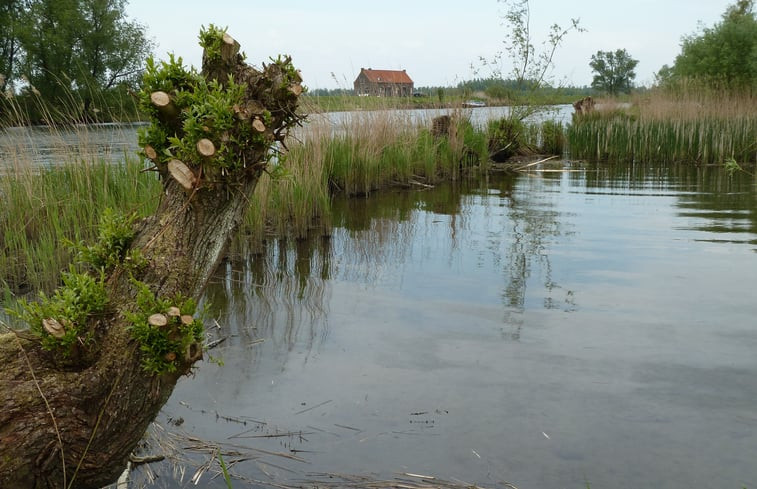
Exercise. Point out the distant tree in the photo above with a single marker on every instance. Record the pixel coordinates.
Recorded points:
(497, 91)
(664, 76)
(10, 47)
(73, 50)
(531, 66)
(112, 50)
(322, 92)
(51, 30)
(725, 54)
(614, 71)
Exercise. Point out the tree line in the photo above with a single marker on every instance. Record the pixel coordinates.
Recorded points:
(69, 59)
(722, 56)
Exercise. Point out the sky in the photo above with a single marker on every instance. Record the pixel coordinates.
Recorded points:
(438, 42)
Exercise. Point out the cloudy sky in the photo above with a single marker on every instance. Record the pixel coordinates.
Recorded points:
(436, 41)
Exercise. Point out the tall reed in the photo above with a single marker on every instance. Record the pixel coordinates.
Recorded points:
(43, 206)
(368, 151)
(665, 128)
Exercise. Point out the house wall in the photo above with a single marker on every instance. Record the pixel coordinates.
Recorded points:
(363, 86)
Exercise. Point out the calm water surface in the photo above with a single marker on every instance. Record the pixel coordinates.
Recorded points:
(549, 331)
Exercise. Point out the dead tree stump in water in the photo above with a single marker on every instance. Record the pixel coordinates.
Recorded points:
(76, 426)
(440, 126)
(584, 106)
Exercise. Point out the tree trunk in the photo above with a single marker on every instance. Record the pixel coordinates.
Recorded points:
(75, 426)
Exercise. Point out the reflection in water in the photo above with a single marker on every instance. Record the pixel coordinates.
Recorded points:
(280, 295)
(540, 330)
(283, 294)
(721, 205)
(711, 200)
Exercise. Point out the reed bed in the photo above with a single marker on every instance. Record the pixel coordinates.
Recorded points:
(669, 128)
(43, 207)
(370, 151)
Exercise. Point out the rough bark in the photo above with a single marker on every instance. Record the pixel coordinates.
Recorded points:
(75, 426)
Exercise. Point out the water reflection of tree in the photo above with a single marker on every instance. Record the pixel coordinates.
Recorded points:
(532, 222)
(282, 294)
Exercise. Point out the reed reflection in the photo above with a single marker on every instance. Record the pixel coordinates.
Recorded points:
(283, 293)
(708, 198)
(722, 206)
(279, 296)
(375, 236)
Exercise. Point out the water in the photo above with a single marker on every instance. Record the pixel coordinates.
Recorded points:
(592, 327)
(41, 146)
(49, 146)
(478, 116)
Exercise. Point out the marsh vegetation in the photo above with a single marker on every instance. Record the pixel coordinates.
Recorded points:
(526, 246)
(685, 124)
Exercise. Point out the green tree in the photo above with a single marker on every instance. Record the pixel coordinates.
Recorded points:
(76, 51)
(664, 76)
(614, 71)
(531, 66)
(10, 47)
(52, 30)
(724, 54)
(113, 50)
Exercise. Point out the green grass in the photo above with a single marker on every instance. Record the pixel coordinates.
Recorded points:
(375, 150)
(341, 103)
(622, 138)
(43, 207)
(450, 98)
(664, 128)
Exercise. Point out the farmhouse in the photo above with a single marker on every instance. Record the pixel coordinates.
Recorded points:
(383, 83)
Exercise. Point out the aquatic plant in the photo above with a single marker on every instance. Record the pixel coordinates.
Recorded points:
(373, 150)
(665, 128)
(44, 206)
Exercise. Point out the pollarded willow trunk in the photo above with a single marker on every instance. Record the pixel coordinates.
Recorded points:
(72, 421)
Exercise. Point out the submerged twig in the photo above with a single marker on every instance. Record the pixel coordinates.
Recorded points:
(521, 168)
(313, 407)
(135, 460)
(214, 343)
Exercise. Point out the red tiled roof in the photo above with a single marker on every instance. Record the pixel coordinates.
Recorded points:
(386, 76)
